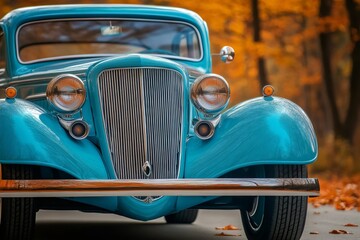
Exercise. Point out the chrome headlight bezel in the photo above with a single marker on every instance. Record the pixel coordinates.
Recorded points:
(53, 93)
(197, 101)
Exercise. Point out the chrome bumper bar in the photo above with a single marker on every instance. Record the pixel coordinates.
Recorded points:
(157, 187)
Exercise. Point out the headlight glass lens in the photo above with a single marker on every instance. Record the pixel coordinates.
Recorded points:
(210, 93)
(66, 93)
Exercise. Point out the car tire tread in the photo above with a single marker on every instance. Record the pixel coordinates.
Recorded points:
(19, 212)
(284, 216)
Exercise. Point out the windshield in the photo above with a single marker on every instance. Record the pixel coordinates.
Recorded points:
(41, 41)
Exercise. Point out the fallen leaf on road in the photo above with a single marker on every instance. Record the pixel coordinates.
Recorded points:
(222, 234)
(316, 213)
(228, 227)
(340, 231)
(314, 232)
(343, 193)
(351, 225)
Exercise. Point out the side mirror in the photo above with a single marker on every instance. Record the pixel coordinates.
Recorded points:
(227, 54)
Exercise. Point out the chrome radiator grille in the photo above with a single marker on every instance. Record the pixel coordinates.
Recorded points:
(142, 111)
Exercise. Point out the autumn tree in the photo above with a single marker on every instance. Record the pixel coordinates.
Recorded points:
(325, 45)
(257, 38)
(343, 129)
(352, 117)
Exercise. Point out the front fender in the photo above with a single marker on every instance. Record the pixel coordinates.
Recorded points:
(266, 130)
(30, 135)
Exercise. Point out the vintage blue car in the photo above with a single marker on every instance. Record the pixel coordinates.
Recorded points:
(114, 108)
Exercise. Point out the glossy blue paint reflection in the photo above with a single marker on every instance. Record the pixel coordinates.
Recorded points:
(258, 131)
(31, 136)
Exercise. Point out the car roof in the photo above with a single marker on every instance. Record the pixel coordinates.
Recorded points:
(21, 15)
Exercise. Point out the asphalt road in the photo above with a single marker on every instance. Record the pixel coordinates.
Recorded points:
(67, 225)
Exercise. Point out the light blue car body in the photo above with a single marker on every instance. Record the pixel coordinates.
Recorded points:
(264, 130)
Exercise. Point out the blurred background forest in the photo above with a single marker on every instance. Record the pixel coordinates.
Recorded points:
(308, 50)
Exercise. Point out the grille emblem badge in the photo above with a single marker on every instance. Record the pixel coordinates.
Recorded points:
(146, 168)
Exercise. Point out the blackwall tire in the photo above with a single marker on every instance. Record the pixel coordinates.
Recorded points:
(17, 214)
(277, 218)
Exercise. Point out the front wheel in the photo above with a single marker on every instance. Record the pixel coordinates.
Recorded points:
(279, 218)
(17, 216)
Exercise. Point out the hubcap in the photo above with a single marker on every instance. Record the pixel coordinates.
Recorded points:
(256, 215)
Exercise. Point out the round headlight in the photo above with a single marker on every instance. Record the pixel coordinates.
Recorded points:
(66, 93)
(210, 93)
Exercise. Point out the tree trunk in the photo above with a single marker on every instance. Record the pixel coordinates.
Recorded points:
(325, 46)
(347, 129)
(257, 38)
(352, 115)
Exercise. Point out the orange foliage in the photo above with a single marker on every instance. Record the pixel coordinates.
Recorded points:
(342, 193)
(340, 231)
(227, 227)
(351, 225)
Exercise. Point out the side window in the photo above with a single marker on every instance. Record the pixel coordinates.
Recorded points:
(2, 52)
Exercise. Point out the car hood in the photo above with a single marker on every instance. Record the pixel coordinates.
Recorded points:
(71, 66)
(80, 67)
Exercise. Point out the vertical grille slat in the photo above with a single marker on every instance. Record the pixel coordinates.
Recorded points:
(171, 113)
(142, 112)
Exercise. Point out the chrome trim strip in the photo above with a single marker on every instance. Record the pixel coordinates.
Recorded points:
(36, 96)
(118, 19)
(166, 187)
(142, 97)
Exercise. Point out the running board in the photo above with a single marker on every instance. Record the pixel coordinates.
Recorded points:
(161, 187)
